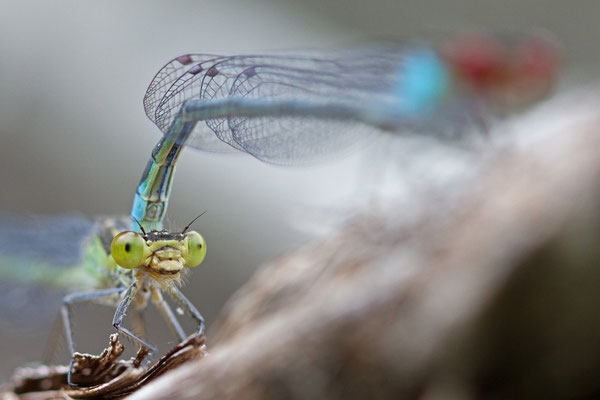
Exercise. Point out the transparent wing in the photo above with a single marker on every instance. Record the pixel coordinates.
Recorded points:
(34, 253)
(43, 257)
(169, 81)
(56, 241)
(348, 78)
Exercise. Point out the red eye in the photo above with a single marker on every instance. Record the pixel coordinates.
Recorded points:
(537, 59)
(478, 60)
(508, 74)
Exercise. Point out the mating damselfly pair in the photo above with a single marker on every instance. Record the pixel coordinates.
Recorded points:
(283, 109)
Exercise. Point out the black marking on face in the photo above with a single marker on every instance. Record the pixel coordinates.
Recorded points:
(166, 272)
(153, 236)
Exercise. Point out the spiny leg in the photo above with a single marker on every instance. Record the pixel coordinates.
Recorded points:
(167, 314)
(68, 301)
(189, 307)
(120, 314)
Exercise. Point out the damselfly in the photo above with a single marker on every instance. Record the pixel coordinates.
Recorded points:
(282, 109)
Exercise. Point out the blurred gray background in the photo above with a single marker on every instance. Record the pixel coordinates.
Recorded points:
(74, 136)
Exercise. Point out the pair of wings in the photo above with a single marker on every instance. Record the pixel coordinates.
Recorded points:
(360, 77)
(41, 258)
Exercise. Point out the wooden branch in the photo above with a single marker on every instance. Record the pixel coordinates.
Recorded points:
(493, 296)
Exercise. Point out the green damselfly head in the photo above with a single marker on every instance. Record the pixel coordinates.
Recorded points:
(161, 254)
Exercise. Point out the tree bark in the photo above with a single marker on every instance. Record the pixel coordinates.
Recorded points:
(493, 295)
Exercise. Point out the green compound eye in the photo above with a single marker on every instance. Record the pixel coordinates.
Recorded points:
(196, 249)
(127, 249)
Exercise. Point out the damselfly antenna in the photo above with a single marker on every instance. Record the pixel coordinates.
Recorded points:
(140, 225)
(190, 224)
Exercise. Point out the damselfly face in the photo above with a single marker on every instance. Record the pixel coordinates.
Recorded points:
(506, 74)
(163, 255)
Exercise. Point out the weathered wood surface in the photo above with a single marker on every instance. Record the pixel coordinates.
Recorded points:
(493, 296)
